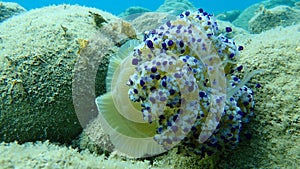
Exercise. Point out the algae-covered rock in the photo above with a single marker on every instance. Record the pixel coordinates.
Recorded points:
(235, 30)
(9, 9)
(39, 50)
(94, 139)
(175, 7)
(297, 4)
(270, 18)
(274, 131)
(248, 13)
(151, 20)
(133, 12)
(228, 15)
(47, 155)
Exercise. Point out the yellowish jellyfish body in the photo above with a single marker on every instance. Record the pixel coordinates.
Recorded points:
(167, 87)
(120, 117)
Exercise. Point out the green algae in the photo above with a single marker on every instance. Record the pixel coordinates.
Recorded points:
(98, 19)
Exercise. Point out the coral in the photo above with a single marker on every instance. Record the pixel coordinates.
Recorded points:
(38, 56)
(178, 87)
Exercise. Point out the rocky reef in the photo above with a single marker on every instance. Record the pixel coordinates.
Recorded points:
(250, 12)
(267, 19)
(39, 51)
(9, 9)
(175, 7)
(51, 73)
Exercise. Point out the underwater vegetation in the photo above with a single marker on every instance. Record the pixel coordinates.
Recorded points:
(181, 86)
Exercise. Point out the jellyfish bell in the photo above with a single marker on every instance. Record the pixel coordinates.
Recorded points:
(121, 118)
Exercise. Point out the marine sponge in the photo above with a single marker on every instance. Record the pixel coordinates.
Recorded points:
(177, 87)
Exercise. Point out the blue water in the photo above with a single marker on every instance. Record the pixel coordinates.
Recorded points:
(117, 6)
